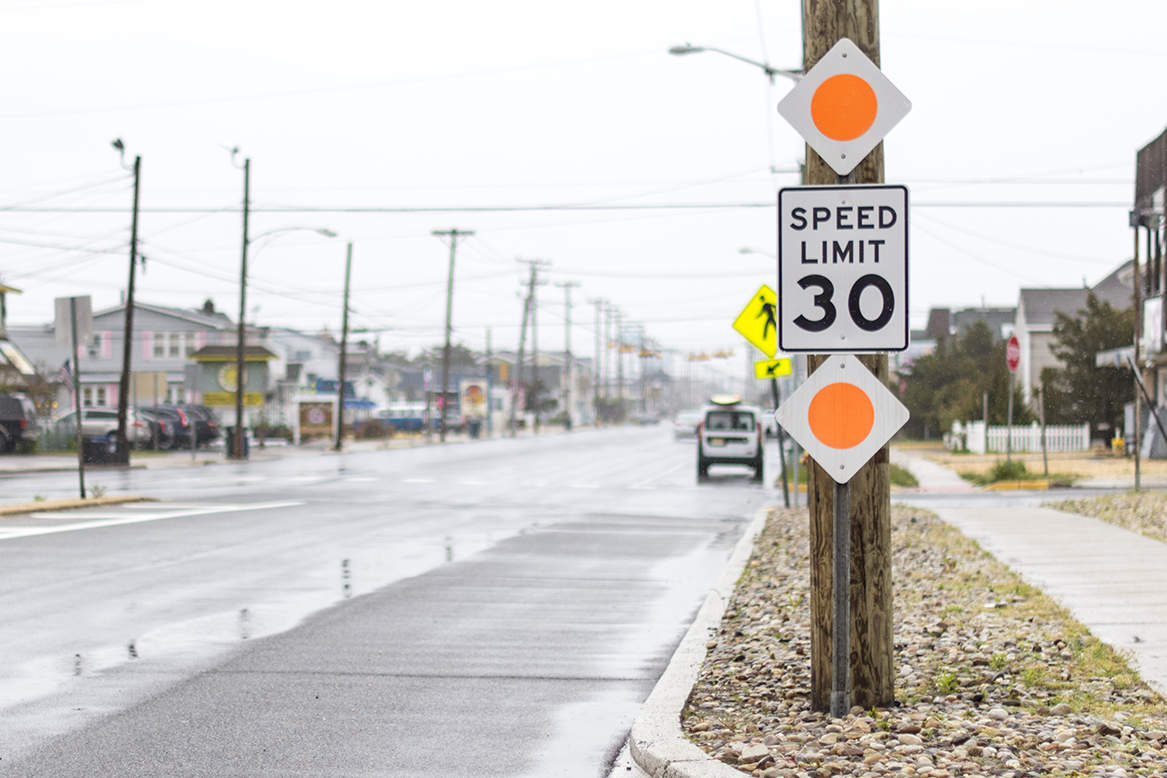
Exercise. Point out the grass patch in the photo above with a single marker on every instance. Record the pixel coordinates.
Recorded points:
(901, 476)
(1142, 512)
(1015, 470)
(1049, 656)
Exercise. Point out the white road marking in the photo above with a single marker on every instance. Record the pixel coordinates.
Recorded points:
(645, 483)
(113, 520)
(361, 479)
(417, 480)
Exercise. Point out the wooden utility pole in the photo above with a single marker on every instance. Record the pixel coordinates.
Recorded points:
(517, 379)
(619, 367)
(872, 674)
(599, 303)
(567, 287)
(123, 443)
(443, 408)
(341, 368)
(1138, 302)
(240, 452)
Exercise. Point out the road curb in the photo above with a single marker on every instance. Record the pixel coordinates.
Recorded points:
(656, 742)
(65, 504)
(1039, 485)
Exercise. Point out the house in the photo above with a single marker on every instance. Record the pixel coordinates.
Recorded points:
(1147, 219)
(164, 339)
(1036, 315)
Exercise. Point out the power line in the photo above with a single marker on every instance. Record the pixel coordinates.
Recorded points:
(540, 207)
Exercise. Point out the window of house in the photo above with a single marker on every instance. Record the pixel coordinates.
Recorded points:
(159, 345)
(101, 396)
(175, 344)
(189, 347)
(87, 396)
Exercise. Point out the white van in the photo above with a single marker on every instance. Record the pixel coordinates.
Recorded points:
(730, 433)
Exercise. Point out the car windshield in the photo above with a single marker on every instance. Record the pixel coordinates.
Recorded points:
(738, 421)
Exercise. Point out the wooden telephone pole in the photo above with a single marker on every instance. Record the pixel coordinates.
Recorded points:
(871, 667)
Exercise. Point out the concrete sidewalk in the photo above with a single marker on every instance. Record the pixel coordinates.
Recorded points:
(1111, 579)
(43, 463)
(47, 463)
(933, 477)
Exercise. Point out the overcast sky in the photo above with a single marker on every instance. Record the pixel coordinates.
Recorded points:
(347, 105)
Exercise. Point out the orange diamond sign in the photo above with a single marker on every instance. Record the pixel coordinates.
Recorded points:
(844, 106)
(842, 415)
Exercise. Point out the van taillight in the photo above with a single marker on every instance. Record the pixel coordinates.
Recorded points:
(24, 424)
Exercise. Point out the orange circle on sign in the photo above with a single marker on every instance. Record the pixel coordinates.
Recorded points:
(841, 415)
(843, 107)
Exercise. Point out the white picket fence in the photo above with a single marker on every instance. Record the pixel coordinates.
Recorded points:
(973, 436)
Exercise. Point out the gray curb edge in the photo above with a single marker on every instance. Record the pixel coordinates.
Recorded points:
(656, 742)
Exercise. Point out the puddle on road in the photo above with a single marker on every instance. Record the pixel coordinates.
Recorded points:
(46, 695)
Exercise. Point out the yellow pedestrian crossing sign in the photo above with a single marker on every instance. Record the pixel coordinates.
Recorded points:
(758, 322)
(772, 368)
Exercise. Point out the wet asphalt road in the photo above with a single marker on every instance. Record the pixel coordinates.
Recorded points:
(496, 608)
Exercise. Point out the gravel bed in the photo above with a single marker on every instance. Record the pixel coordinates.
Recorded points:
(1143, 512)
(993, 678)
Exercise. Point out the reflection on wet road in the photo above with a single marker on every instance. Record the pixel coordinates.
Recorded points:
(510, 587)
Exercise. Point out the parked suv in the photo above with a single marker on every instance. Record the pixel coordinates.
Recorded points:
(730, 433)
(18, 421)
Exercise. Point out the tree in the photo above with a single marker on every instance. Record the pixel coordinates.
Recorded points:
(460, 356)
(949, 384)
(1079, 391)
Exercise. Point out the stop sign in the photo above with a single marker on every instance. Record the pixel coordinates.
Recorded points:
(1013, 353)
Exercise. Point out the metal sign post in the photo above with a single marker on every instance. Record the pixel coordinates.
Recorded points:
(841, 415)
(77, 396)
(841, 598)
(1012, 360)
(777, 398)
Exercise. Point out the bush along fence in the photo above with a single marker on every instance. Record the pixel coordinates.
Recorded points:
(975, 438)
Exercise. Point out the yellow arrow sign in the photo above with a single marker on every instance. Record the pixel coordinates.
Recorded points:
(758, 322)
(772, 368)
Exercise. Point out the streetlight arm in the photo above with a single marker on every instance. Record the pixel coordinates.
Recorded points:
(793, 75)
(318, 230)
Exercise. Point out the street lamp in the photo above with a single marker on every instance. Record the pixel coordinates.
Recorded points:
(239, 451)
(770, 71)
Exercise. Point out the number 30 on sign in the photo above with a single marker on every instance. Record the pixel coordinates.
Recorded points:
(843, 268)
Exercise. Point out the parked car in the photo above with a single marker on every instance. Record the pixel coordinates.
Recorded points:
(182, 418)
(162, 429)
(18, 421)
(207, 426)
(685, 423)
(730, 433)
(103, 422)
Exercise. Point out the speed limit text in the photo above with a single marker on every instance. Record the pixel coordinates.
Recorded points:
(841, 218)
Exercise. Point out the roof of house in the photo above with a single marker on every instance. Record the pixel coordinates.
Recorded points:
(229, 353)
(1115, 288)
(210, 319)
(1040, 305)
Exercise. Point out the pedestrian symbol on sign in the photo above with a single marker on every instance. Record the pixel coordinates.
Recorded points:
(768, 312)
(758, 321)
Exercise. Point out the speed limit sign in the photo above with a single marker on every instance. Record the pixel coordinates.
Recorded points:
(843, 268)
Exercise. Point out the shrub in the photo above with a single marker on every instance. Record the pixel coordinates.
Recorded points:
(901, 476)
(1012, 470)
(374, 429)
